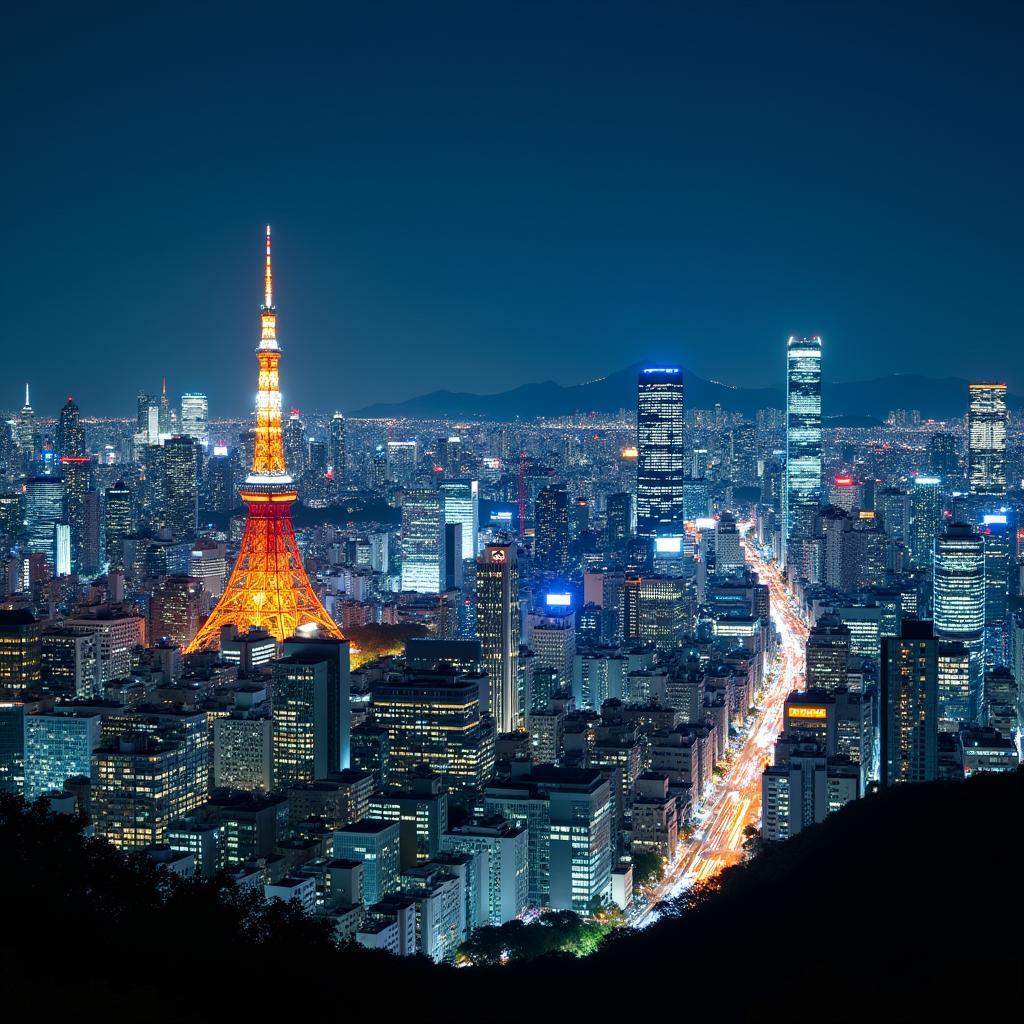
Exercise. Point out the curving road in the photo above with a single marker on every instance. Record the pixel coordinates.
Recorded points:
(736, 801)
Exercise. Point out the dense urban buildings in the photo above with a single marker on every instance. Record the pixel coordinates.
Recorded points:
(592, 659)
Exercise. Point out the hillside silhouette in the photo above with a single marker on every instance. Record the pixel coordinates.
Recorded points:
(900, 905)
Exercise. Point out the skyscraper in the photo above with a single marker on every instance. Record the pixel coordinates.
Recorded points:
(269, 588)
(828, 650)
(619, 514)
(462, 505)
(743, 454)
(497, 629)
(943, 459)
(986, 439)
(423, 541)
(551, 522)
(25, 432)
(70, 436)
(76, 471)
(195, 417)
(801, 496)
(926, 520)
(118, 522)
(336, 449)
(310, 696)
(181, 495)
(910, 705)
(661, 452)
(959, 588)
(44, 509)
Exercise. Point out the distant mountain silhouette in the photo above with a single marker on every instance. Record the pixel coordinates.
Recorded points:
(937, 398)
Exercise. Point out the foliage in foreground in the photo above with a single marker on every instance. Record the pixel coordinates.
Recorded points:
(559, 931)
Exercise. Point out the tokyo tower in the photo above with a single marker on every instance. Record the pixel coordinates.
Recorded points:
(268, 588)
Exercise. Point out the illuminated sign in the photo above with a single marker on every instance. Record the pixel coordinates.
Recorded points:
(501, 517)
(558, 600)
(662, 369)
(994, 517)
(220, 449)
(705, 523)
(803, 711)
(668, 545)
(866, 515)
(844, 481)
(630, 453)
(498, 555)
(928, 481)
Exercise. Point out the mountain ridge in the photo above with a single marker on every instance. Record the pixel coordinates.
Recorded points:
(937, 398)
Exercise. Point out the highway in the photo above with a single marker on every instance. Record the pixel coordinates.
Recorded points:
(735, 801)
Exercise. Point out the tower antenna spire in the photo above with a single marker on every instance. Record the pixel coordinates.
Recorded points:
(27, 402)
(268, 278)
(268, 588)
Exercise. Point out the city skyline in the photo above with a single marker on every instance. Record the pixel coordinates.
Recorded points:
(618, 561)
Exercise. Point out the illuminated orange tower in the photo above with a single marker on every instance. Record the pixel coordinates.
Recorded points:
(268, 588)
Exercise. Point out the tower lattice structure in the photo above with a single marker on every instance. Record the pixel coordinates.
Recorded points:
(268, 588)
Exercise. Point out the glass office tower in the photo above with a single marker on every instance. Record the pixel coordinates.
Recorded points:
(661, 453)
(801, 497)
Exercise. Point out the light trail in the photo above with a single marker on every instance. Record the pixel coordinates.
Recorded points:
(735, 802)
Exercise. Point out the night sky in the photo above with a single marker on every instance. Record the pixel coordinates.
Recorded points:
(473, 196)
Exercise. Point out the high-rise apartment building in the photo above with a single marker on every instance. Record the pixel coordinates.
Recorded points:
(140, 786)
(909, 699)
(986, 439)
(310, 700)
(435, 719)
(827, 653)
(20, 650)
(661, 452)
(802, 492)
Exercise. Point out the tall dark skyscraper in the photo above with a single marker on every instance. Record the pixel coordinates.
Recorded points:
(551, 518)
(743, 454)
(801, 496)
(943, 459)
(118, 522)
(70, 436)
(619, 512)
(76, 471)
(497, 629)
(910, 705)
(986, 439)
(661, 452)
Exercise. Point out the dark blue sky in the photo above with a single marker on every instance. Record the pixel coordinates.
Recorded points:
(477, 195)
